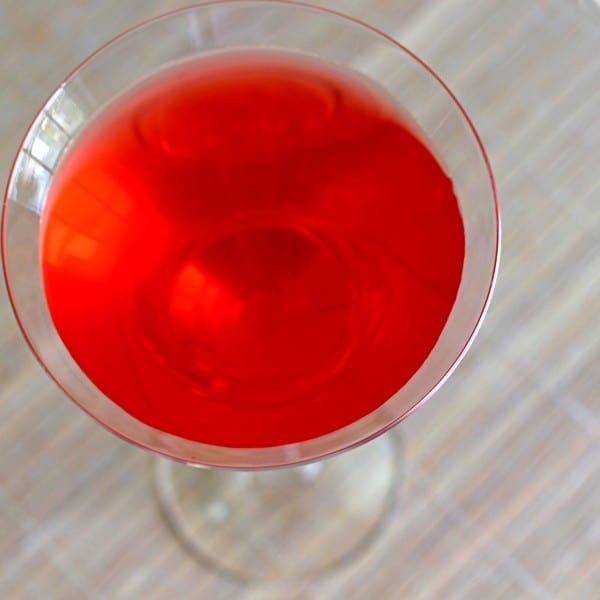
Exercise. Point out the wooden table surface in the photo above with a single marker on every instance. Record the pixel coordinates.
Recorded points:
(501, 484)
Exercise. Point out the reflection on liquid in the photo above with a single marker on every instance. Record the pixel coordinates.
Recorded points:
(246, 307)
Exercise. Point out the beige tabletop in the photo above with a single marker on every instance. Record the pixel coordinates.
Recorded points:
(501, 477)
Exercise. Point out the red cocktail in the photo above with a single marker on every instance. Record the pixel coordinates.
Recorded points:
(250, 249)
(252, 234)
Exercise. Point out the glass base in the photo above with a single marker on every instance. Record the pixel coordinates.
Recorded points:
(286, 523)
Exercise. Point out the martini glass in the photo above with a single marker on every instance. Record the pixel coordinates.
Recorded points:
(241, 512)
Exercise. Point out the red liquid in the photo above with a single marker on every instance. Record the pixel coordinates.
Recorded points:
(251, 249)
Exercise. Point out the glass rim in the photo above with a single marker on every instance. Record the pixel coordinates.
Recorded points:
(279, 450)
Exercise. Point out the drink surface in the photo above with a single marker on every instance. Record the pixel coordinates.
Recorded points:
(249, 249)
